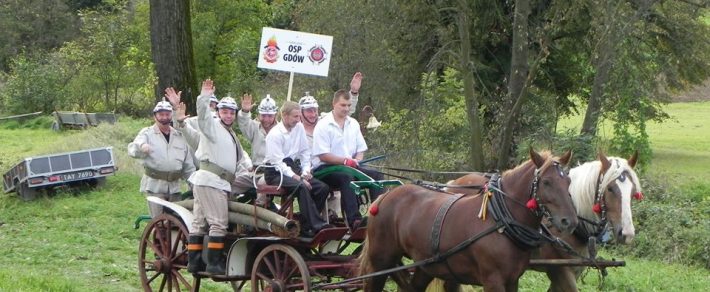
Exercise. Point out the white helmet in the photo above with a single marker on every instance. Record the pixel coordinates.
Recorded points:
(267, 106)
(227, 102)
(308, 101)
(163, 106)
(214, 99)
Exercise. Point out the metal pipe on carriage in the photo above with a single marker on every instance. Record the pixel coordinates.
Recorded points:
(250, 215)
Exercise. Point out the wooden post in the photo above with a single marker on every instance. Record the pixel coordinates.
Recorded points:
(290, 87)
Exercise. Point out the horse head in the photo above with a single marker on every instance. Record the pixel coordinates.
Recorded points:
(618, 185)
(551, 191)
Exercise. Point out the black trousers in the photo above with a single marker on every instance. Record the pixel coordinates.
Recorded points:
(348, 198)
(310, 202)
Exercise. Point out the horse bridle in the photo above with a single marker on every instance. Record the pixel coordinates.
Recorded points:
(599, 200)
(540, 209)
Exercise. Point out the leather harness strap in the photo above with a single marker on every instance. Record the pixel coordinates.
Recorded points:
(439, 220)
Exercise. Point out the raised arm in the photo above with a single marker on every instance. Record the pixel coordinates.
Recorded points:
(354, 92)
(246, 124)
(204, 117)
(192, 135)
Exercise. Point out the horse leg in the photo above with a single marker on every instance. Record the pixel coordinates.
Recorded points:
(562, 279)
(495, 284)
(452, 286)
(384, 260)
(402, 280)
(420, 280)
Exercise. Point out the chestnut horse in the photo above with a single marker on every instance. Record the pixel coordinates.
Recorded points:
(409, 221)
(601, 191)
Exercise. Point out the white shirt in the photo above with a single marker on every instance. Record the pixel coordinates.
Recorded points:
(165, 156)
(353, 108)
(256, 134)
(280, 143)
(328, 137)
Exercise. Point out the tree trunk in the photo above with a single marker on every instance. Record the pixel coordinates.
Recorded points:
(602, 67)
(171, 46)
(517, 80)
(475, 147)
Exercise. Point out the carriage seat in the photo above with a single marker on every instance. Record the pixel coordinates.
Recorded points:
(270, 190)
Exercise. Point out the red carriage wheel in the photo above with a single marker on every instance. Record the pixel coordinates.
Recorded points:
(162, 255)
(279, 267)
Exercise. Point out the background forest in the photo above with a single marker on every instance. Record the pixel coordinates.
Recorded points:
(466, 84)
(459, 85)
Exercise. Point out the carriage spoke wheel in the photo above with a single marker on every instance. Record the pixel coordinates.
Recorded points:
(280, 268)
(162, 255)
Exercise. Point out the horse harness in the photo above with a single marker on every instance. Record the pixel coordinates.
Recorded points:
(523, 236)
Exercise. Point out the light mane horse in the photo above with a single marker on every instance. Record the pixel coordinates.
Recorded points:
(598, 200)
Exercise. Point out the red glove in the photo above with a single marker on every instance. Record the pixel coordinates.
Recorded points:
(351, 162)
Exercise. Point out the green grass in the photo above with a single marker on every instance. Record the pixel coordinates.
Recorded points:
(681, 145)
(85, 241)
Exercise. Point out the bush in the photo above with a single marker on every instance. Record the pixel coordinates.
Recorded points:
(672, 223)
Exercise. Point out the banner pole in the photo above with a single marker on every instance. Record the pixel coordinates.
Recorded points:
(290, 87)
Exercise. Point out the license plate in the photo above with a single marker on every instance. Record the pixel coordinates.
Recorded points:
(77, 175)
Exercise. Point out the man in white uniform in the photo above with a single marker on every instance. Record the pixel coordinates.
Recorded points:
(337, 140)
(219, 153)
(288, 152)
(256, 130)
(174, 98)
(165, 157)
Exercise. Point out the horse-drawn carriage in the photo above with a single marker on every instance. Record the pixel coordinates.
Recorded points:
(265, 248)
(444, 239)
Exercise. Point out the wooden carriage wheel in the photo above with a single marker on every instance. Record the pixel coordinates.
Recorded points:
(162, 255)
(279, 267)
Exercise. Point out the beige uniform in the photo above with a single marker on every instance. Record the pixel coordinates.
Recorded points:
(218, 147)
(167, 162)
(243, 178)
(256, 134)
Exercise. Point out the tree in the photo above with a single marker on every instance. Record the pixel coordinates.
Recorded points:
(32, 26)
(226, 49)
(171, 47)
(472, 105)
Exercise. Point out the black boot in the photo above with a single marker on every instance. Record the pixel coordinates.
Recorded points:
(215, 259)
(194, 254)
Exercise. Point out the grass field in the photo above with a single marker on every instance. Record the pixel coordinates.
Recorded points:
(681, 145)
(84, 241)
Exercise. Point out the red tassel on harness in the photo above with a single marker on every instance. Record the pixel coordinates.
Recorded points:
(531, 204)
(374, 209)
(638, 196)
(597, 208)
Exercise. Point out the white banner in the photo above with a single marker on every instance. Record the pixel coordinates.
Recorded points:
(294, 51)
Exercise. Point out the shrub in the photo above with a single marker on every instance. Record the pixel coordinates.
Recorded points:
(672, 224)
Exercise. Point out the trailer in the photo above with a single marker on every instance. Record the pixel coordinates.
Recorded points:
(79, 120)
(38, 172)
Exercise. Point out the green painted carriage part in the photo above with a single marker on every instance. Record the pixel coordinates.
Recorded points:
(361, 180)
(140, 219)
(378, 184)
(358, 175)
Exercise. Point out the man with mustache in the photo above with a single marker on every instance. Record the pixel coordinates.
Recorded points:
(165, 157)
